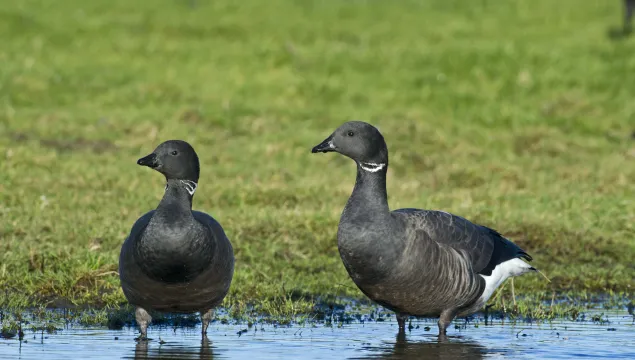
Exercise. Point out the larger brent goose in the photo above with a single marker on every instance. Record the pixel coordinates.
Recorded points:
(175, 259)
(414, 262)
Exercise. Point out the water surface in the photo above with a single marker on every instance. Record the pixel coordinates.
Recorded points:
(612, 338)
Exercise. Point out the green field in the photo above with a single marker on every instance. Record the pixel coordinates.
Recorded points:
(515, 114)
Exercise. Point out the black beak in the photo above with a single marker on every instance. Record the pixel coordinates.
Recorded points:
(149, 161)
(325, 146)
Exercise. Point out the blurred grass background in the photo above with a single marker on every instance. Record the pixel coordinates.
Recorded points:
(515, 114)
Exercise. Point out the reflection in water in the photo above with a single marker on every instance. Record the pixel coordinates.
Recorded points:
(449, 349)
(371, 340)
(145, 350)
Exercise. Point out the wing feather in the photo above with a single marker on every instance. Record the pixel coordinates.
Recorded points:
(485, 247)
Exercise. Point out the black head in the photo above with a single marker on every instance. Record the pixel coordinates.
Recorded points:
(175, 159)
(359, 141)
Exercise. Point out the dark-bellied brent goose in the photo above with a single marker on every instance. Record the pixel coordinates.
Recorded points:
(414, 262)
(175, 259)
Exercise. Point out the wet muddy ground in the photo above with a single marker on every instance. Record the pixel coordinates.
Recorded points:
(607, 336)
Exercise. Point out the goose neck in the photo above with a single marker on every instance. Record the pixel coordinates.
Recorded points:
(370, 189)
(177, 199)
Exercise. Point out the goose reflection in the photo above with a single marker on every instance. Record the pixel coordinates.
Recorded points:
(449, 349)
(167, 351)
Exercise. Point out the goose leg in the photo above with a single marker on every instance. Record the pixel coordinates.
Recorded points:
(444, 321)
(143, 320)
(401, 321)
(206, 317)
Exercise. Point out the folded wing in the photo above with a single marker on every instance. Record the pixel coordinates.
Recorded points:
(485, 247)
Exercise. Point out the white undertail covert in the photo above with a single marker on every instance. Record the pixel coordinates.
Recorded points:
(502, 271)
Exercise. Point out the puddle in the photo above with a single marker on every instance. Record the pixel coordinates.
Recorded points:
(612, 339)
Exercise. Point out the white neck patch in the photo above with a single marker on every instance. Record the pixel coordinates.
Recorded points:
(372, 167)
(190, 186)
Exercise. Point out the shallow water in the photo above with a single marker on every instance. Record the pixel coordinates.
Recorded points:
(370, 340)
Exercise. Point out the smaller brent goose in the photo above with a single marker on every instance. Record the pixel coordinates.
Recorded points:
(175, 259)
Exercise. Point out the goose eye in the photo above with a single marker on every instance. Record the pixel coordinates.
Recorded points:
(174, 152)
(350, 133)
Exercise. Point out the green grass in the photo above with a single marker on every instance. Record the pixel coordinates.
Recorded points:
(515, 114)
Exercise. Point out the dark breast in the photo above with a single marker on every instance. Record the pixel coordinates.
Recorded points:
(368, 253)
(174, 258)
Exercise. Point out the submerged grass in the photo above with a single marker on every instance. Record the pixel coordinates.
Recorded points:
(41, 320)
(514, 114)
